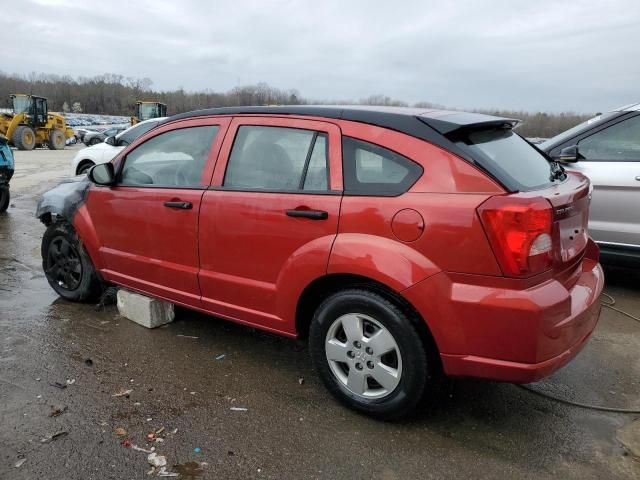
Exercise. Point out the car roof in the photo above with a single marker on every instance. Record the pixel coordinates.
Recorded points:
(632, 107)
(404, 119)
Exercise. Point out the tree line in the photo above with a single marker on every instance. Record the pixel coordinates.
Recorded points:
(112, 94)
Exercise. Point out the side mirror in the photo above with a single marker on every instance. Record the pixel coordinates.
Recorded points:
(102, 174)
(111, 141)
(569, 154)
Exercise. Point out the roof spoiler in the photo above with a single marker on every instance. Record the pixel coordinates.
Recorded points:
(454, 121)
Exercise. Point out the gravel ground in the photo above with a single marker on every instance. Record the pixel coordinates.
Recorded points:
(65, 368)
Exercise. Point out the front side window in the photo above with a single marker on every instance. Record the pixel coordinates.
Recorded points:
(618, 143)
(171, 159)
(370, 169)
(277, 158)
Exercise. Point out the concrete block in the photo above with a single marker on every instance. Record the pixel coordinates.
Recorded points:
(146, 311)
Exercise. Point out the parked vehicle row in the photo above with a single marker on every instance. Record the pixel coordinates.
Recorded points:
(403, 243)
(107, 150)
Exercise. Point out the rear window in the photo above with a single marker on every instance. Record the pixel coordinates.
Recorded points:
(509, 158)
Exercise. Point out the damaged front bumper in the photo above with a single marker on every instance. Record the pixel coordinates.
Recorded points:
(63, 200)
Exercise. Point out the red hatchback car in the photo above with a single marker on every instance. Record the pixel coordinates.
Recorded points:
(403, 243)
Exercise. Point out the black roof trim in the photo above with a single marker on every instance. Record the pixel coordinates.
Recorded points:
(425, 124)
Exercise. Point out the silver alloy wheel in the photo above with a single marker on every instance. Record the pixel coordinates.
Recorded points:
(363, 355)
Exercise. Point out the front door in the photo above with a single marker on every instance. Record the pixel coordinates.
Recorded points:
(612, 163)
(147, 224)
(268, 222)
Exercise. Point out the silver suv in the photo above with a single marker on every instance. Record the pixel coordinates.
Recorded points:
(606, 149)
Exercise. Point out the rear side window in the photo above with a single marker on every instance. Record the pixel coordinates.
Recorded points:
(370, 169)
(508, 157)
(278, 158)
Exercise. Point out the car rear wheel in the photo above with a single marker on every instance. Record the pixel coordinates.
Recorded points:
(368, 354)
(67, 265)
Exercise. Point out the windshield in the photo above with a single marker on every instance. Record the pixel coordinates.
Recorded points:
(561, 137)
(132, 133)
(147, 111)
(509, 158)
(21, 104)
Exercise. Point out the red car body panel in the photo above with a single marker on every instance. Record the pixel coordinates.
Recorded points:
(236, 254)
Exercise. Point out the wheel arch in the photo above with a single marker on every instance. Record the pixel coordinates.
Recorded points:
(81, 163)
(319, 289)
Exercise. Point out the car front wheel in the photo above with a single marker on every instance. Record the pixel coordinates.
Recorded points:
(67, 265)
(368, 354)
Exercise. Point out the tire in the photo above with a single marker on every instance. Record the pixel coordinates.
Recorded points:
(57, 140)
(94, 141)
(24, 138)
(84, 167)
(4, 198)
(388, 386)
(67, 265)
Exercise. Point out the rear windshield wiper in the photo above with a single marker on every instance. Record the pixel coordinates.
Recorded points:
(557, 171)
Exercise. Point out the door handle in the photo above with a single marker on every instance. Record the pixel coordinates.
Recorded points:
(638, 178)
(310, 214)
(178, 204)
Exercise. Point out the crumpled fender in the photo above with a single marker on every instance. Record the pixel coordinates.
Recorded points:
(64, 200)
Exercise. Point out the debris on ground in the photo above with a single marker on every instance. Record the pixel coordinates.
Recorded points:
(239, 409)
(220, 357)
(143, 450)
(108, 297)
(160, 430)
(71, 381)
(197, 449)
(53, 437)
(57, 411)
(59, 385)
(186, 336)
(189, 469)
(20, 462)
(301, 381)
(157, 460)
(120, 431)
(126, 443)
(164, 473)
(88, 362)
(123, 392)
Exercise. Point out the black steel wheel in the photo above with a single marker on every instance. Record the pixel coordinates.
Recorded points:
(67, 265)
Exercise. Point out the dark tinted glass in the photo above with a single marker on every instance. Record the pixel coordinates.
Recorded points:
(506, 155)
(277, 158)
(374, 170)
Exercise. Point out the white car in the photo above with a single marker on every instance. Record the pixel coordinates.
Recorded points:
(105, 151)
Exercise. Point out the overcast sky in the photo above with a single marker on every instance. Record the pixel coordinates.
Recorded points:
(534, 55)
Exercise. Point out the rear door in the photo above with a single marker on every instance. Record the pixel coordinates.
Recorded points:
(268, 221)
(612, 162)
(147, 224)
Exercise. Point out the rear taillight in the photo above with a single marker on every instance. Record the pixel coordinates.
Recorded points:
(519, 230)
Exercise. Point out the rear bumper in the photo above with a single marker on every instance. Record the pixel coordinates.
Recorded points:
(507, 334)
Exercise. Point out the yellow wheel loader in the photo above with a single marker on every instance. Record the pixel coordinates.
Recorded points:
(32, 125)
(147, 110)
